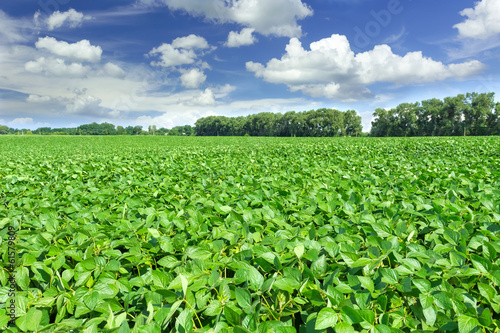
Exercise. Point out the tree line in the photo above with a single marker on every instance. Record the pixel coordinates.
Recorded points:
(465, 114)
(322, 122)
(470, 114)
(314, 123)
(101, 129)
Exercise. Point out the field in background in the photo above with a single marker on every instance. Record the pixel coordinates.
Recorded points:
(181, 234)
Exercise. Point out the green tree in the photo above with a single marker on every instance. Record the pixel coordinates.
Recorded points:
(120, 130)
(130, 130)
(352, 123)
(137, 130)
(4, 129)
(479, 109)
(431, 121)
(380, 123)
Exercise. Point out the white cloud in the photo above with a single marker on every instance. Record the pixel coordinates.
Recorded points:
(482, 21)
(114, 70)
(190, 42)
(182, 51)
(205, 98)
(170, 56)
(81, 50)
(83, 103)
(331, 69)
(172, 119)
(56, 67)
(14, 30)
(223, 91)
(21, 122)
(193, 78)
(276, 17)
(71, 17)
(243, 38)
(38, 99)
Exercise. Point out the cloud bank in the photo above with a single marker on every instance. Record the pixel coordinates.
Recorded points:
(331, 69)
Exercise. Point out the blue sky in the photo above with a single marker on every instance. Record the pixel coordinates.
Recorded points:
(169, 62)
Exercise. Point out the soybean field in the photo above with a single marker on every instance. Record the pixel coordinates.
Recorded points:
(245, 234)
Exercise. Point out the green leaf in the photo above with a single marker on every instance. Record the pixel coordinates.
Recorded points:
(213, 309)
(361, 262)
(344, 328)
(232, 316)
(33, 319)
(452, 236)
(423, 285)
(91, 300)
(481, 264)
(243, 298)
(468, 324)
(368, 316)
(353, 314)
(88, 264)
(443, 300)
(430, 315)
(287, 284)
(299, 250)
(319, 267)
(382, 230)
(367, 283)
(390, 276)
(250, 273)
(326, 318)
(23, 278)
(380, 328)
(485, 319)
(457, 259)
(28, 259)
(124, 328)
(225, 209)
(184, 283)
(487, 291)
(160, 279)
(184, 320)
(275, 327)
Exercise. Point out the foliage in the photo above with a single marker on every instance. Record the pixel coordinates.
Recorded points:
(470, 114)
(314, 123)
(185, 234)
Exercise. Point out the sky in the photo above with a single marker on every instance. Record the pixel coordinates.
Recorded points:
(64, 63)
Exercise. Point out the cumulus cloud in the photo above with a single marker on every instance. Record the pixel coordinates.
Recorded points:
(331, 69)
(243, 38)
(81, 50)
(193, 78)
(482, 21)
(71, 17)
(83, 104)
(190, 42)
(223, 91)
(180, 52)
(21, 122)
(38, 99)
(276, 17)
(205, 98)
(114, 70)
(56, 67)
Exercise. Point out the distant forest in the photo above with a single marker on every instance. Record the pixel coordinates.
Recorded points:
(471, 114)
(314, 123)
(322, 122)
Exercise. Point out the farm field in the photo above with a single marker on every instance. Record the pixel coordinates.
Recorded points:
(226, 234)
